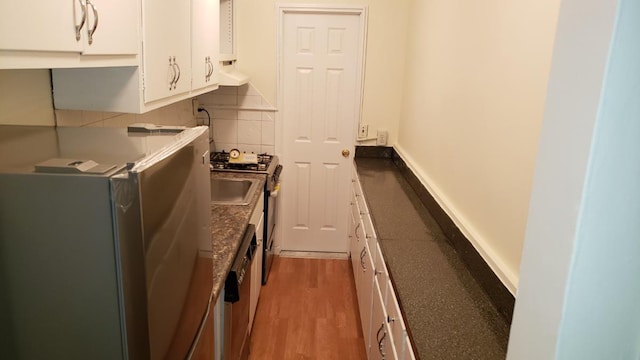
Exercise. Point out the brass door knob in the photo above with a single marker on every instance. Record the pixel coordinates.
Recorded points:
(345, 153)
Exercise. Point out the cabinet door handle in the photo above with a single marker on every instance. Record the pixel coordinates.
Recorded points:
(206, 66)
(357, 237)
(363, 253)
(172, 69)
(79, 27)
(380, 340)
(95, 22)
(210, 69)
(178, 72)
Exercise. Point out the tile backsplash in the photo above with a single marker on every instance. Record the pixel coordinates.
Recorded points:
(241, 117)
(180, 113)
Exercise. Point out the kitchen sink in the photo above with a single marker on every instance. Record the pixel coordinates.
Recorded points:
(231, 191)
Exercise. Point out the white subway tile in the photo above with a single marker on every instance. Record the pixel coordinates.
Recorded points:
(220, 146)
(226, 90)
(224, 99)
(90, 117)
(268, 116)
(223, 114)
(225, 131)
(122, 120)
(249, 100)
(268, 133)
(250, 148)
(269, 149)
(249, 132)
(250, 115)
(68, 118)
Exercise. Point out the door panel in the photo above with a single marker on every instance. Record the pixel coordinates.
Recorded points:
(321, 101)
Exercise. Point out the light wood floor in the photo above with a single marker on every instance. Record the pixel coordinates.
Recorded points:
(308, 310)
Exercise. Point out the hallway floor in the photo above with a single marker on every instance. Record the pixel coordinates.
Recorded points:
(308, 310)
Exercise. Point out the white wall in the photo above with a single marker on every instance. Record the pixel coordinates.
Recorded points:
(25, 97)
(387, 39)
(579, 290)
(476, 76)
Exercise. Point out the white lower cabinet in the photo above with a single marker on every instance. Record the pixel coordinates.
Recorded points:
(382, 344)
(364, 288)
(383, 327)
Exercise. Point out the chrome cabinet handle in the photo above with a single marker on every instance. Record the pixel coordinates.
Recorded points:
(209, 68)
(357, 237)
(177, 67)
(173, 72)
(79, 27)
(206, 64)
(95, 23)
(380, 340)
(363, 253)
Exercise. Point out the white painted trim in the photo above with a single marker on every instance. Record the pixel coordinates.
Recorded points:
(284, 8)
(507, 276)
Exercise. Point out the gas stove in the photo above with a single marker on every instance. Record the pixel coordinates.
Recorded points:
(261, 163)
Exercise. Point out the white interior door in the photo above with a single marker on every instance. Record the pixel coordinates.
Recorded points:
(321, 71)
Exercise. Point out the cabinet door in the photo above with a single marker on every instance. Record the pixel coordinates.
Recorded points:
(116, 29)
(382, 344)
(205, 40)
(353, 242)
(166, 27)
(396, 323)
(377, 326)
(41, 25)
(112, 26)
(364, 289)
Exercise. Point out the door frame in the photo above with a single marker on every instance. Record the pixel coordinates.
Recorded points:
(283, 9)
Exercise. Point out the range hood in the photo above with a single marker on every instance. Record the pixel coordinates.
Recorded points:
(230, 76)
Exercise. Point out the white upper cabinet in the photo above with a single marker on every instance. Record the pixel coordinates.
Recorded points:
(51, 34)
(205, 43)
(179, 60)
(112, 28)
(167, 48)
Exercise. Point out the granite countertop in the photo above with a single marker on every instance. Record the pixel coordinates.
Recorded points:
(448, 315)
(228, 224)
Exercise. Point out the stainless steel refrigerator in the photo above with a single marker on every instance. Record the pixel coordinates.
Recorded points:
(105, 248)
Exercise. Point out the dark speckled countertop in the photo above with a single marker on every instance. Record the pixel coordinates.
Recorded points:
(228, 224)
(448, 314)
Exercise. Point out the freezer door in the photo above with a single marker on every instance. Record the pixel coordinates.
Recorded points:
(174, 203)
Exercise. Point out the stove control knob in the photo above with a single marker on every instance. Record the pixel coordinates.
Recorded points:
(234, 153)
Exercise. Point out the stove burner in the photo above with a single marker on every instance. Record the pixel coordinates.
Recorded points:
(220, 161)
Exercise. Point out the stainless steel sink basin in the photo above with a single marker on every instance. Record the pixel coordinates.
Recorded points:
(229, 191)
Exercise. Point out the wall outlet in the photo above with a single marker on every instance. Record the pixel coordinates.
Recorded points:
(381, 139)
(195, 104)
(363, 131)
